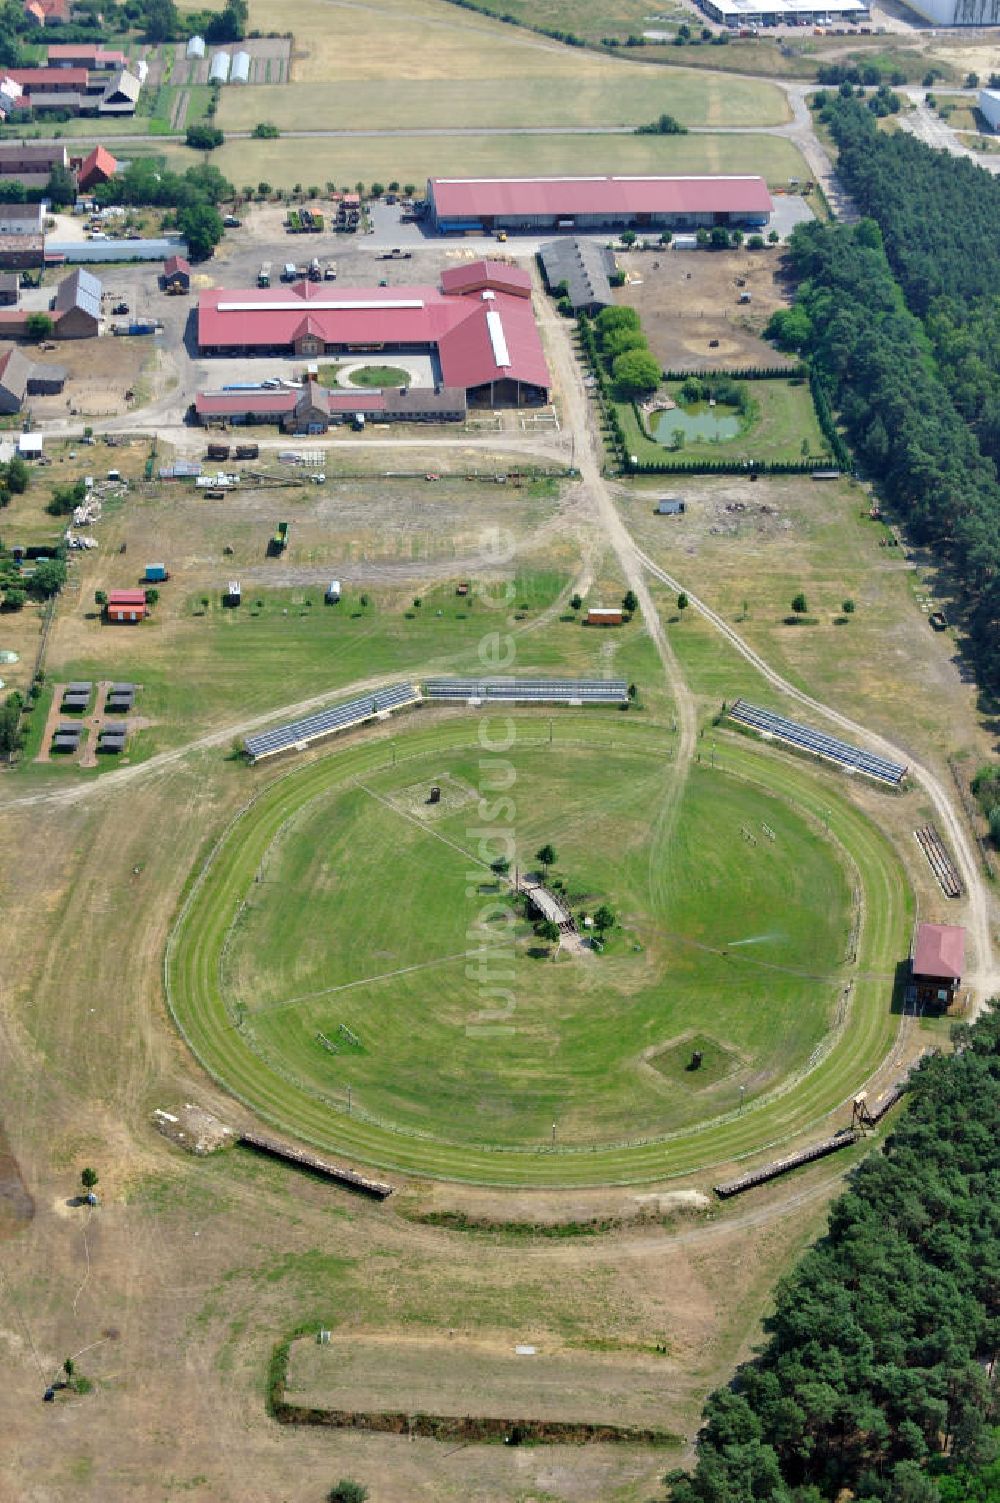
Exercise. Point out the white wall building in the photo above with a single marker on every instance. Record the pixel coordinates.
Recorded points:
(989, 107)
(958, 12)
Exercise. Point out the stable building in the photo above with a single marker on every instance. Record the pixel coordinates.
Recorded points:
(585, 270)
(483, 341)
(937, 964)
(469, 206)
(31, 165)
(77, 306)
(312, 409)
(15, 369)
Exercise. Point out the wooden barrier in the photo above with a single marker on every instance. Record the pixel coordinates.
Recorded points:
(872, 1117)
(782, 1166)
(354, 1181)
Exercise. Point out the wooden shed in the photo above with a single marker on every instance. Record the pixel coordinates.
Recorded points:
(937, 963)
(126, 607)
(604, 615)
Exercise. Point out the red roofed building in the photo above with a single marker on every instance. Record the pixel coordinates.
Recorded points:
(48, 12)
(49, 80)
(126, 607)
(311, 408)
(938, 963)
(485, 342)
(83, 55)
(460, 205)
(99, 167)
(176, 274)
(485, 275)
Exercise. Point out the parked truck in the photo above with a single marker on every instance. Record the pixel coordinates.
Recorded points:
(264, 275)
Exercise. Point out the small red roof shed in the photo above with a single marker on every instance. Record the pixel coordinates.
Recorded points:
(939, 952)
(126, 606)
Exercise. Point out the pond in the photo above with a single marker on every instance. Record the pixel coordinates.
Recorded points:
(699, 423)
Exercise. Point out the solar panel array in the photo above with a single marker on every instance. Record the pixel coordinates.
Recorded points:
(821, 745)
(529, 690)
(336, 718)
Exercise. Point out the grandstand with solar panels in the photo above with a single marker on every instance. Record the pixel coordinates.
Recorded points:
(298, 734)
(851, 758)
(556, 691)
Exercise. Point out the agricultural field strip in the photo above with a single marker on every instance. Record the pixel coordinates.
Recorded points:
(189, 971)
(828, 747)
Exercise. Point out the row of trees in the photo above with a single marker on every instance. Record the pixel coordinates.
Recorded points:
(626, 356)
(195, 194)
(871, 359)
(874, 1380)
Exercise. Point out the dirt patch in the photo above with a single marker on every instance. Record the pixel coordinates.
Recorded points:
(689, 305)
(192, 1127)
(16, 1203)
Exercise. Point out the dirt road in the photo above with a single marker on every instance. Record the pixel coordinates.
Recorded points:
(578, 419)
(984, 980)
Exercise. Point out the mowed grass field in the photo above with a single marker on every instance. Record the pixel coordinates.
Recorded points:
(431, 1092)
(430, 63)
(363, 886)
(412, 157)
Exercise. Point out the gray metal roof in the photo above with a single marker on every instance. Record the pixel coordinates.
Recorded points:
(584, 266)
(81, 289)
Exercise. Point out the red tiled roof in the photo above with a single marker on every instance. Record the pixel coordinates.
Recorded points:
(30, 78)
(229, 403)
(99, 163)
(479, 339)
(458, 198)
(475, 275)
(940, 951)
(98, 55)
(175, 264)
(224, 403)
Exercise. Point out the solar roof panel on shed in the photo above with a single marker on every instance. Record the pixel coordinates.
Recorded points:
(829, 747)
(529, 690)
(336, 718)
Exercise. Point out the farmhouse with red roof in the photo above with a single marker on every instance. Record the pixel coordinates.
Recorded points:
(463, 205)
(484, 340)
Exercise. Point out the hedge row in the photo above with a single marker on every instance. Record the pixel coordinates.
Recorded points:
(752, 373)
(726, 466)
(824, 416)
